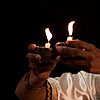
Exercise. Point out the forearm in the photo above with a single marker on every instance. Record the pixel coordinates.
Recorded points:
(31, 94)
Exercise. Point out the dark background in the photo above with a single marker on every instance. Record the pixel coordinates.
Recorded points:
(28, 23)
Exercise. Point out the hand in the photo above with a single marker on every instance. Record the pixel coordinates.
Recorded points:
(40, 69)
(80, 55)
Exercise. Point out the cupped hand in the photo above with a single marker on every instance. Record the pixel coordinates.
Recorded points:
(80, 55)
(40, 69)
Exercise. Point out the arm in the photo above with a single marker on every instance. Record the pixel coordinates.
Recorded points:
(39, 74)
(30, 94)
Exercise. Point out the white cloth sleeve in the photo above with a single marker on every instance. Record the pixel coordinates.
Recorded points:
(80, 86)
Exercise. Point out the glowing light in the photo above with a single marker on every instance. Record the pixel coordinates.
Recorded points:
(70, 27)
(48, 34)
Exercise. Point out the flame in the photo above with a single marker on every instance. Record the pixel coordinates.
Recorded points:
(70, 27)
(48, 34)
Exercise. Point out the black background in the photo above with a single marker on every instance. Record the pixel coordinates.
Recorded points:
(27, 25)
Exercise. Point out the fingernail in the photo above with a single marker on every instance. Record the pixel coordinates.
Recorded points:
(33, 47)
(38, 57)
(60, 49)
(67, 42)
(58, 59)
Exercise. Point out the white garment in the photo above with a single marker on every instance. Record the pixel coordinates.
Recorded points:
(80, 86)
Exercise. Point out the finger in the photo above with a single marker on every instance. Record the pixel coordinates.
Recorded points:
(31, 47)
(80, 44)
(74, 52)
(46, 65)
(38, 68)
(79, 64)
(33, 57)
(33, 65)
(76, 63)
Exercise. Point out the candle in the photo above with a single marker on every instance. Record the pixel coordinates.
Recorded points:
(70, 30)
(49, 36)
(47, 45)
(69, 38)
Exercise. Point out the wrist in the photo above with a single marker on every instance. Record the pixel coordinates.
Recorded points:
(33, 82)
(37, 86)
(36, 82)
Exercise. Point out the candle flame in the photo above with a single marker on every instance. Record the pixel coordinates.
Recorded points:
(48, 34)
(70, 27)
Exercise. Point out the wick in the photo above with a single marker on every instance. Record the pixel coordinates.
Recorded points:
(69, 35)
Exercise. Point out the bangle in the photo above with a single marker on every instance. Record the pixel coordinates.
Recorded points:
(27, 84)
